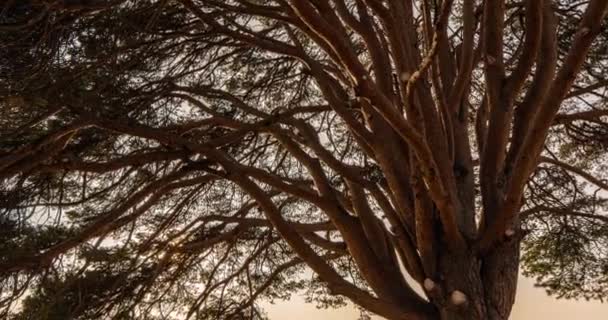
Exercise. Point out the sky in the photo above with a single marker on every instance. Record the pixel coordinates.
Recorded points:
(530, 303)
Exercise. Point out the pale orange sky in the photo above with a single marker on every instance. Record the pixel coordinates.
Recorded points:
(531, 303)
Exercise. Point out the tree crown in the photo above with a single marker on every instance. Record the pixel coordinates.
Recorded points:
(186, 159)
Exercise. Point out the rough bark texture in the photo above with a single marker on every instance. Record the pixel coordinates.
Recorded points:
(499, 275)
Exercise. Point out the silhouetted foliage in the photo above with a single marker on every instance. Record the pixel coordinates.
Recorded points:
(188, 159)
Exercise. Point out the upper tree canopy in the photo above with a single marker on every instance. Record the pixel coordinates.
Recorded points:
(186, 159)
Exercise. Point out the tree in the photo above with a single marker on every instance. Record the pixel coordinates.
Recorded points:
(185, 159)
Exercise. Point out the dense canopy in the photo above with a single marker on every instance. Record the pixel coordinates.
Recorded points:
(189, 159)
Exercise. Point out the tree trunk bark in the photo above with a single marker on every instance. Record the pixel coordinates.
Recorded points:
(462, 288)
(470, 287)
(499, 274)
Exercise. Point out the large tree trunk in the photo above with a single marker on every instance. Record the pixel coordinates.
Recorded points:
(476, 288)
(462, 288)
(499, 275)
